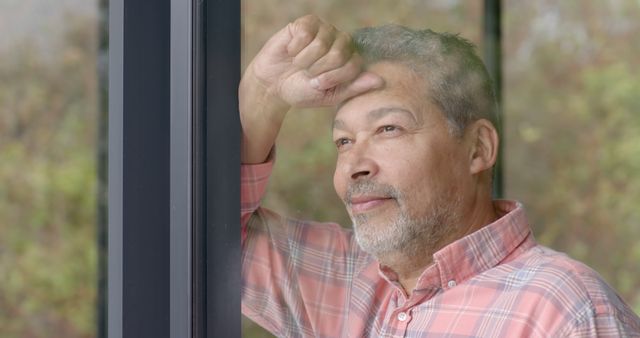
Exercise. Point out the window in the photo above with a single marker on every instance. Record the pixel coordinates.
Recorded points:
(50, 151)
(572, 130)
(174, 71)
(174, 169)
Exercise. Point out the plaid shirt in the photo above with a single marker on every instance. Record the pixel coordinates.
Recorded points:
(308, 279)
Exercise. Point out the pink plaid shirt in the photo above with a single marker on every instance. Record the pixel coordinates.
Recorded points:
(308, 279)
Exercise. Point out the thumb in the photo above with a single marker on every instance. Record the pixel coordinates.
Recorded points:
(365, 82)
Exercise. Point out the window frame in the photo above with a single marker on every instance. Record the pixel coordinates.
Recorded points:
(174, 166)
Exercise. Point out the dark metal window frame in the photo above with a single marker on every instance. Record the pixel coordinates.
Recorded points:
(139, 169)
(174, 156)
(493, 59)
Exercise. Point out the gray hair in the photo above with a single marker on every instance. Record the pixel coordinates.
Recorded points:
(456, 78)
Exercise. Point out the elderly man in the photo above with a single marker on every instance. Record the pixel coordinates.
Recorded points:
(431, 254)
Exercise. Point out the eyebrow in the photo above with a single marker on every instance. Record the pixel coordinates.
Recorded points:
(377, 114)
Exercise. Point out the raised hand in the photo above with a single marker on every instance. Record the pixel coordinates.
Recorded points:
(308, 63)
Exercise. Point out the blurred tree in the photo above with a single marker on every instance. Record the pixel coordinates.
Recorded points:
(48, 116)
(573, 130)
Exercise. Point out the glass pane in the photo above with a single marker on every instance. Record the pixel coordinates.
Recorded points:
(49, 109)
(573, 130)
(301, 185)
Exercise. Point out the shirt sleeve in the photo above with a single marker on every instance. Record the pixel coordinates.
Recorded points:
(253, 185)
(605, 315)
(296, 274)
(607, 325)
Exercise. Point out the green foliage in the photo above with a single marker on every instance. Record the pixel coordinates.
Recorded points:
(572, 140)
(573, 132)
(48, 106)
(591, 191)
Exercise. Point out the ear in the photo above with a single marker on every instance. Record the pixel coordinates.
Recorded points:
(483, 151)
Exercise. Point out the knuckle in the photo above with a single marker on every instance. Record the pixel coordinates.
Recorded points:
(331, 29)
(320, 46)
(338, 55)
(352, 67)
(326, 81)
(304, 35)
(307, 20)
(345, 39)
(356, 62)
(305, 28)
(350, 72)
(310, 18)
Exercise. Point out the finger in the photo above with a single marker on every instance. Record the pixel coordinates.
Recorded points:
(317, 48)
(340, 53)
(345, 74)
(277, 45)
(302, 31)
(365, 82)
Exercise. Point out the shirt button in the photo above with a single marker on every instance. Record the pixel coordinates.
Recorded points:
(402, 316)
(451, 283)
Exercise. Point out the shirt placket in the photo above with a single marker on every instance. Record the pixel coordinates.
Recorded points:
(401, 318)
(398, 320)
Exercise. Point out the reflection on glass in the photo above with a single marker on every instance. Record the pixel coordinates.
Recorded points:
(48, 126)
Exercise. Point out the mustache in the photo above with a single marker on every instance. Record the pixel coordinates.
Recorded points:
(368, 187)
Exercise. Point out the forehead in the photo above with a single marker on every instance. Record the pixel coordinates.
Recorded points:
(402, 87)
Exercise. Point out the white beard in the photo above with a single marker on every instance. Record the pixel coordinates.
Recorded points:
(405, 234)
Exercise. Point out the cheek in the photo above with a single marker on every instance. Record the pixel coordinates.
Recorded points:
(449, 173)
(418, 172)
(402, 162)
(339, 181)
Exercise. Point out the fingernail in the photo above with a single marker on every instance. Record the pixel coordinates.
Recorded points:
(315, 83)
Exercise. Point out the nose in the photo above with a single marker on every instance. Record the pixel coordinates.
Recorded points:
(361, 171)
(361, 163)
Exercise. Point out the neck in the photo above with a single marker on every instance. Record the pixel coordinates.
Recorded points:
(408, 270)
(410, 262)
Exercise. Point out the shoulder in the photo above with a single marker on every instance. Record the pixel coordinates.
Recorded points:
(564, 275)
(572, 291)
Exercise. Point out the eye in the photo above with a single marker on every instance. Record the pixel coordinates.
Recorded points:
(388, 129)
(341, 142)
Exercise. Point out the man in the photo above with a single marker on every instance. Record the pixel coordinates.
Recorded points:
(431, 254)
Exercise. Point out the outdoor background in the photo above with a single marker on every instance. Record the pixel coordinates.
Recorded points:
(571, 104)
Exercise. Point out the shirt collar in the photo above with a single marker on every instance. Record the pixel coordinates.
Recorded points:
(479, 251)
(485, 248)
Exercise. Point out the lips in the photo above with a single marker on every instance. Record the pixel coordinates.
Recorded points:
(362, 204)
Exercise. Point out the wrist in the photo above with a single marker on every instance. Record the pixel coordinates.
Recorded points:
(256, 97)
